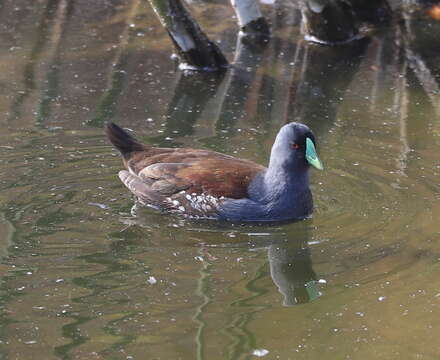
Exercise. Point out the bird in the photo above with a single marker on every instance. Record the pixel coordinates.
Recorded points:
(200, 183)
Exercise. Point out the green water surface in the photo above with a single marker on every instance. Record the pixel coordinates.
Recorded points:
(84, 275)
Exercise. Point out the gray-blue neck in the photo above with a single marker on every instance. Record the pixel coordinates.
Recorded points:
(285, 180)
(281, 182)
(286, 167)
(281, 192)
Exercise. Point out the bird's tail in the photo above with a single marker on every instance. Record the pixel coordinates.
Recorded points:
(122, 140)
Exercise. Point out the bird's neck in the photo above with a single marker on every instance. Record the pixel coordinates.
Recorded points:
(285, 171)
(279, 184)
(286, 178)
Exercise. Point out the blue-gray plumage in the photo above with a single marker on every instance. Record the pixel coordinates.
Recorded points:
(281, 192)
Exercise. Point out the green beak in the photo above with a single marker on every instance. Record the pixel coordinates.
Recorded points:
(311, 155)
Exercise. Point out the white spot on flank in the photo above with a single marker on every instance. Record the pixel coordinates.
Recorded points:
(176, 203)
(181, 208)
(188, 196)
(131, 171)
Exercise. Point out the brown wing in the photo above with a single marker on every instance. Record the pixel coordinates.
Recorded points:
(190, 181)
(195, 171)
(196, 189)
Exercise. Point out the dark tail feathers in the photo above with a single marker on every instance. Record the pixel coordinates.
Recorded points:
(122, 140)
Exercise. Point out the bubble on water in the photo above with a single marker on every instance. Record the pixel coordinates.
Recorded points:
(260, 352)
(151, 280)
(101, 206)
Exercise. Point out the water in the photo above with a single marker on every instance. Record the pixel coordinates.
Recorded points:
(86, 276)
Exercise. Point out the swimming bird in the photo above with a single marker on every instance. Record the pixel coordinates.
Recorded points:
(207, 184)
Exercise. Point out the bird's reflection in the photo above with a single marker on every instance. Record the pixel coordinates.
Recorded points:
(288, 254)
(292, 272)
(290, 263)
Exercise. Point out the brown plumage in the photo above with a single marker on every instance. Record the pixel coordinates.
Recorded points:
(192, 181)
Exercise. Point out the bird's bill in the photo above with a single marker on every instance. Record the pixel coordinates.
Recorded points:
(311, 155)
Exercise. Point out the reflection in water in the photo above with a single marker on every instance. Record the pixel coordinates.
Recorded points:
(116, 72)
(291, 270)
(6, 233)
(202, 291)
(53, 58)
(191, 96)
(289, 256)
(419, 46)
(37, 49)
(235, 99)
(51, 27)
(241, 81)
(315, 101)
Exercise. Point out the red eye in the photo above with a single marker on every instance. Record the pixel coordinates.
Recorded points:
(295, 146)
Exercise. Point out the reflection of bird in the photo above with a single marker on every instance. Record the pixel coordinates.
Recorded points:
(291, 270)
(205, 183)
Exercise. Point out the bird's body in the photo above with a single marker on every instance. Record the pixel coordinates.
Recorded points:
(208, 184)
